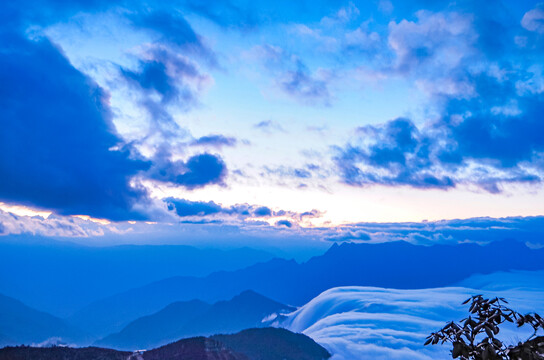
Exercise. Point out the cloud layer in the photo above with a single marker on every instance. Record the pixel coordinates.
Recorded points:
(377, 323)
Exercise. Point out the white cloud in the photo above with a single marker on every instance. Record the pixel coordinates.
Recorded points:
(376, 323)
(533, 20)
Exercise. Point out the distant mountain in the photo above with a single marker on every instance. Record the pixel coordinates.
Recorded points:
(20, 324)
(68, 276)
(194, 318)
(252, 344)
(392, 265)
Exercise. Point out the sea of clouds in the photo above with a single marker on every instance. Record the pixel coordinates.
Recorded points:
(376, 323)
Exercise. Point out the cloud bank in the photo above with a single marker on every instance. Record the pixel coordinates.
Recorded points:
(376, 323)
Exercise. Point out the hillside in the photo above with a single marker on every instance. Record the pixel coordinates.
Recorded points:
(61, 353)
(274, 343)
(21, 324)
(252, 344)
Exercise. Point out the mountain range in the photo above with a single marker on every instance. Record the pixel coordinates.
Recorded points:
(289, 282)
(195, 318)
(21, 324)
(68, 276)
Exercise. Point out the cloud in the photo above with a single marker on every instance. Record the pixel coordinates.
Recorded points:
(396, 153)
(198, 171)
(533, 20)
(487, 140)
(175, 30)
(435, 50)
(285, 223)
(217, 141)
(486, 100)
(185, 208)
(302, 85)
(58, 146)
(293, 172)
(349, 235)
(344, 15)
(269, 126)
(62, 226)
(262, 211)
(201, 211)
(166, 73)
(376, 323)
(226, 13)
(483, 230)
(165, 79)
(293, 77)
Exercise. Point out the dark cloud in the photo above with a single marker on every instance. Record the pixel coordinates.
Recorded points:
(216, 141)
(285, 223)
(488, 97)
(164, 72)
(198, 171)
(175, 30)
(173, 77)
(262, 211)
(192, 208)
(396, 153)
(239, 212)
(58, 147)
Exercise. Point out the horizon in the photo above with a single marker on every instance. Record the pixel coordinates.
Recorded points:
(154, 152)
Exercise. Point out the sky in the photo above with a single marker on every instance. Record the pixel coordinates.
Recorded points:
(269, 119)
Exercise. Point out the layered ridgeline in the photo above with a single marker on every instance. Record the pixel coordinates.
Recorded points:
(195, 318)
(251, 344)
(61, 277)
(415, 267)
(21, 324)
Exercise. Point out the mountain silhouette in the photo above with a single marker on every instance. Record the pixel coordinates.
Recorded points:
(68, 276)
(194, 318)
(251, 344)
(21, 324)
(392, 265)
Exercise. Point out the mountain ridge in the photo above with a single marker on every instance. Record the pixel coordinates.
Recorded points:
(343, 265)
(194, 318)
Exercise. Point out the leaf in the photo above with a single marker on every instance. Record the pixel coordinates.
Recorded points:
(457, 350)
(489, 332)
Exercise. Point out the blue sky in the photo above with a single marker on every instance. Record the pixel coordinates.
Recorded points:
(268, 117)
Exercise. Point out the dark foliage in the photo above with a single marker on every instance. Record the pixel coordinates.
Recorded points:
(61, 353)
(252, 344)
(199, 348)
(274, 343)
(475, 337)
